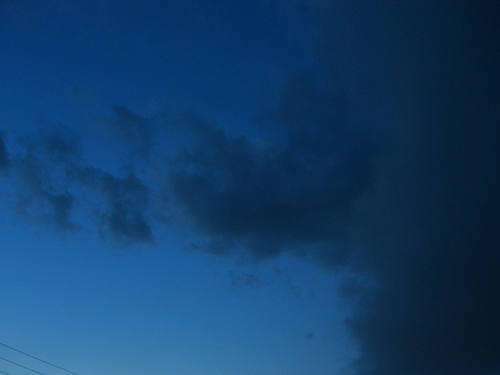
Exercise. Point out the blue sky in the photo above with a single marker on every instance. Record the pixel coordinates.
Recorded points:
(250, 187)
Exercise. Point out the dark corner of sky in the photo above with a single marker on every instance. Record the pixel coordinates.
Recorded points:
(433, 223)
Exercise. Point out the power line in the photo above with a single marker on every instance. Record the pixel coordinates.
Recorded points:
(3, 372)
(19, 365)
(38, 359)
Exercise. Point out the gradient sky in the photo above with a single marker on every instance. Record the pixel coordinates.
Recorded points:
(268, 187)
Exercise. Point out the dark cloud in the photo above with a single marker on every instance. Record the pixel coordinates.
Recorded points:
(430, 232)
(128, 199)
(424, 254)
(133, 129)
(299, 189)
(124, 212)
(39, 199)
(59, 142)
(40, 173)
(128, 203)
(52, 177)
(4, 155)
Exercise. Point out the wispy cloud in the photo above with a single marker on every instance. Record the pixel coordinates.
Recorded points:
(125, 212)
(39, 173)
(51, 177)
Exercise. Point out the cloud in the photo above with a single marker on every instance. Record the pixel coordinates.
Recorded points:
(51, 179)
(128, 199)
(44, 206)
(309, 336)
(133, 129)
(298, 190)
(4, 155)
(55, 142)
(125, 211)
(413, 223)
(428, 234)
(39, 170)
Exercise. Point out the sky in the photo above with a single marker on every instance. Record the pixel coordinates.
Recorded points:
(276, 187)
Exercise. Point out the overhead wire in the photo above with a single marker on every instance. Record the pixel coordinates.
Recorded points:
(38, 359)
(6, 373)
(19, 365)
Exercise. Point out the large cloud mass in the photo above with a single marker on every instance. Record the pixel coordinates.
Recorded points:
(296, 189)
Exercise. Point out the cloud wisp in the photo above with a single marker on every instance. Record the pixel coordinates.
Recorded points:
(125, 213)
(53, 185)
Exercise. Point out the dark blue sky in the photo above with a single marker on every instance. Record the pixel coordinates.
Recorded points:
(250, 187)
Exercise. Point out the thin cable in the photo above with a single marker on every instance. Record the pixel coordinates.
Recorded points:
(19, 365)
(38, 359)
(3, 372)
